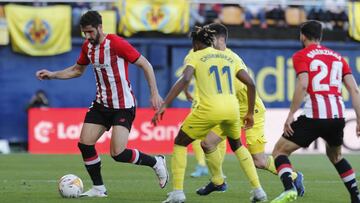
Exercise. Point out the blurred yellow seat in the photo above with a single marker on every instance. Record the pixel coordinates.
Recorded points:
(295, 16)
(231, 15)
(2, 12)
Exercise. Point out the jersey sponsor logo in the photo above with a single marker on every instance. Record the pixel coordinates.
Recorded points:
(101, 66)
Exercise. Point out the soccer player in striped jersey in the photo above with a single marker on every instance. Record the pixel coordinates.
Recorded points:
(320, 75)
(114, 105)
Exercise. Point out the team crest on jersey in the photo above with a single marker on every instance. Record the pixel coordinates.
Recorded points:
(37, 31)
(155, 17)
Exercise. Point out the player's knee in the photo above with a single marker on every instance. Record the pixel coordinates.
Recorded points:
(182, 139)
(123, 156)
(334, 157)
(261, 164)
(234, 144)
(207, 146)
(86, 149)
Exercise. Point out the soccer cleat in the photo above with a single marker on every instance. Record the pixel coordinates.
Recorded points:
(299, 184)
(161, 170)
(94, 192)
(200, 171)
(176, 196)
(211, 187)
(258, 195)
(286, 196)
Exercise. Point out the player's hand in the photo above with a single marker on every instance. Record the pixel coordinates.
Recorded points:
(158, 115)
(45, 74)
(188, 96)
(288, 131)
(248, 121)
(156, 101)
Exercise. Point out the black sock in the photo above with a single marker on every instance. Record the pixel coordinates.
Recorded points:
(92, 163)
(136, 157)
(284, 169)
(348, 176)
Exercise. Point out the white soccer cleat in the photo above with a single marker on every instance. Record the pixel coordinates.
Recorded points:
(258, 195)
(161, 170)
(176, 196)
(95, 191)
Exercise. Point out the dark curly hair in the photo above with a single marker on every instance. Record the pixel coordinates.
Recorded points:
(220, 29)
(92, 18)
(204, 35)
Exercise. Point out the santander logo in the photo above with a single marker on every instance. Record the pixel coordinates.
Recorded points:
(44, 131)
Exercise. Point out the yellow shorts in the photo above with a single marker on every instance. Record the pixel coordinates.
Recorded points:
(199, 123)
(255, 136)
(255, 139)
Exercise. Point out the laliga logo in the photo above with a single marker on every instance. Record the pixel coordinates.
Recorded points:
(37, 31)
(42, 131)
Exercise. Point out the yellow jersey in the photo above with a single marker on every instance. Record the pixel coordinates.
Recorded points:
(241, 93)
(215, 72)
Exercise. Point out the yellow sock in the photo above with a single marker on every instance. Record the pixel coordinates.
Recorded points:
(198, 152)
(270, 166)
(178, 166)
(247, 164)
(213, 161)
(222, 149)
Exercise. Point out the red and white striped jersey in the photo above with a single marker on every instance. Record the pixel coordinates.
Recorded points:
(326, 70)
(110, 61)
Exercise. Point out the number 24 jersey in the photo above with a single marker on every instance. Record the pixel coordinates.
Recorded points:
(326, 69)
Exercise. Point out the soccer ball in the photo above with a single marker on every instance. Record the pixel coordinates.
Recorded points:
(70, 186)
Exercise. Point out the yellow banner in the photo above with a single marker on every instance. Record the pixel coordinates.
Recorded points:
(165, 16)
(39, 31)
(354, 20)
(108, 21)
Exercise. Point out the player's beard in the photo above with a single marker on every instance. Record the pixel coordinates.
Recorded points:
(96, 40)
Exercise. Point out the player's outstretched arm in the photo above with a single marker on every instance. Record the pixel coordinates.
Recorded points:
(174, 92)
(73, 71)
(245, 78)
(144, 64)
(353, 89)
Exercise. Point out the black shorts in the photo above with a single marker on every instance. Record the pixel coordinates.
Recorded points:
(306, 130)
(99, 114)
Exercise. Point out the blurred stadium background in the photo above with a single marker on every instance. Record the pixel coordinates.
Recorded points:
(46, 34)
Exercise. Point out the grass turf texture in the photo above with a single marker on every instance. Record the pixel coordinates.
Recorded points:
(33, 178)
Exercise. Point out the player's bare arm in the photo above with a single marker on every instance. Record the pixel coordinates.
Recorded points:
(353, 89)
(245, 78)
(73, 71)
(174, 92)
(299, 94)
(144, 64)
(187, 93)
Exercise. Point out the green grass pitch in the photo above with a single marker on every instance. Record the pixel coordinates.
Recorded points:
(33, 178)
